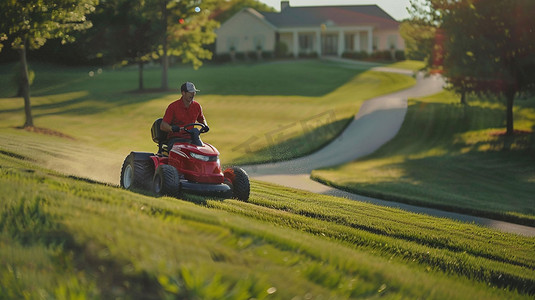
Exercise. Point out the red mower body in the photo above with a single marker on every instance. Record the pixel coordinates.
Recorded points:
(197, 163)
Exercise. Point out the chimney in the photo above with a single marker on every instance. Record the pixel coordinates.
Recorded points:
(284, 5)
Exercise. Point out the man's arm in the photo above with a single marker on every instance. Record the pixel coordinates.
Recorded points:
(168, 128)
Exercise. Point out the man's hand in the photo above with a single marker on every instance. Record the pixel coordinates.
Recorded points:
(175, 128)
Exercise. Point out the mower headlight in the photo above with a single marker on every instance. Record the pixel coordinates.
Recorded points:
(203, 157)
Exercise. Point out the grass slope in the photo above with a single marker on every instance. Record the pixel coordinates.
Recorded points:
(63, 237)
(453, 157)
(250, 108)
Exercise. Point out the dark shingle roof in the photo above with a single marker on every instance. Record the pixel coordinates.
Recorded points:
(336, 15)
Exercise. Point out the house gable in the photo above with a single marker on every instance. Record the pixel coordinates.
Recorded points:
(246, 31)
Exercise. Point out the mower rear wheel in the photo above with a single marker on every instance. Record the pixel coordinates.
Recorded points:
(136, 172)
(238, 180)
(166, 181)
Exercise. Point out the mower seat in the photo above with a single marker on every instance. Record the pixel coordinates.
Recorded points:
(159, 137)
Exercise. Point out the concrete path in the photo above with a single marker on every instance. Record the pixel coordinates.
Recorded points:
(377, 121)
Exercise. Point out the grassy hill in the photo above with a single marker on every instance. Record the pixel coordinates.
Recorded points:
(453, 157)
(69, 238)
(250, 108)
(67, 231)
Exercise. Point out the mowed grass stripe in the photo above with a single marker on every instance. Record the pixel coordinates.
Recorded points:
(437, 243)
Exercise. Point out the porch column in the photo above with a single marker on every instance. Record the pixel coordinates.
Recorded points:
(370, 41)
(356, 42)
(318, 42)
(296, 44)
(341, 43)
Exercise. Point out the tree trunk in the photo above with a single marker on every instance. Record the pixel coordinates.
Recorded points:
(140, 64)
(463, 97)
(165, 62)
(25, 85)
(510, 97)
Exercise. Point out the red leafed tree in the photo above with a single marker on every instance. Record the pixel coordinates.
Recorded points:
(488, 46)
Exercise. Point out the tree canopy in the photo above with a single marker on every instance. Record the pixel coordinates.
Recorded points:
(483, 46)
(29, 24)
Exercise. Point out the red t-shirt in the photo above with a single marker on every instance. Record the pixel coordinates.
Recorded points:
(177, 114)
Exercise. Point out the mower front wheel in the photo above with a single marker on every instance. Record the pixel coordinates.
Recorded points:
(166, 181)
(238, 180)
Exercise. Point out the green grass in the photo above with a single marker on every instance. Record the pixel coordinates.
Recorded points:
(250, 108)
(409, 65)
(69, 237)
(453, 157)
(63, 237)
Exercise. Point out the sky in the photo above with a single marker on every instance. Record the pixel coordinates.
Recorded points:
(395, 8)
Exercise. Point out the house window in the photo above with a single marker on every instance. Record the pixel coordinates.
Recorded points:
(232, 44)
(306, 42)
(258, 42)
(349, 42)
(330, 44)
(392, 42)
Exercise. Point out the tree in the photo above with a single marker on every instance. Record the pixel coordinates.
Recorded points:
(488, 46)
(29, 24)
(227, 9)
(187, 26)
(419, 39)
(125, 31)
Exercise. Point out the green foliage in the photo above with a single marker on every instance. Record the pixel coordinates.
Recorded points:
(31, 23)
(125, 31)
(186, 39)
(483, 47)
(228, 9)
(418, 39)
(281, 50)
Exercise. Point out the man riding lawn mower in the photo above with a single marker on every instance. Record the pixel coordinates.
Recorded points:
(183, 162)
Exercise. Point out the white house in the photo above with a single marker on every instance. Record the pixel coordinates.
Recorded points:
(324, 30)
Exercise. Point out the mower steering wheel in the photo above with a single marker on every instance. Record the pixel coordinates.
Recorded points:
(204, 128)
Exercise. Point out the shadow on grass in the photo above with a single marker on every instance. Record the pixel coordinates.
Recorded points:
(111, 89)
(454, 160)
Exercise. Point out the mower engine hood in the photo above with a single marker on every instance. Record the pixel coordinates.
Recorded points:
(205, 149)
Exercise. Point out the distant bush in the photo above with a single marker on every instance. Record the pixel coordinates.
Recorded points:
(383, 55)
(308, 55)
(361, 55)
(281, 50)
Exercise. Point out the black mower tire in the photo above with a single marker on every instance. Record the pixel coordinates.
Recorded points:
(238, 180)
(166, 181)
(137, 171)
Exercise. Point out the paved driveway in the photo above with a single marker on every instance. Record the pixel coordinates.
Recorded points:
(377, 121)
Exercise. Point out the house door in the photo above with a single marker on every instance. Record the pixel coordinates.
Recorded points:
(330, 44)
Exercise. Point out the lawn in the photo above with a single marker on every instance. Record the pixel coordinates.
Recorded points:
(66, 238)
(451, 164)
(452, 157)
(247, 119)
(64, 235)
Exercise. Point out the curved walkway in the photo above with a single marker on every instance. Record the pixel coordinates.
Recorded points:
(377, 121)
